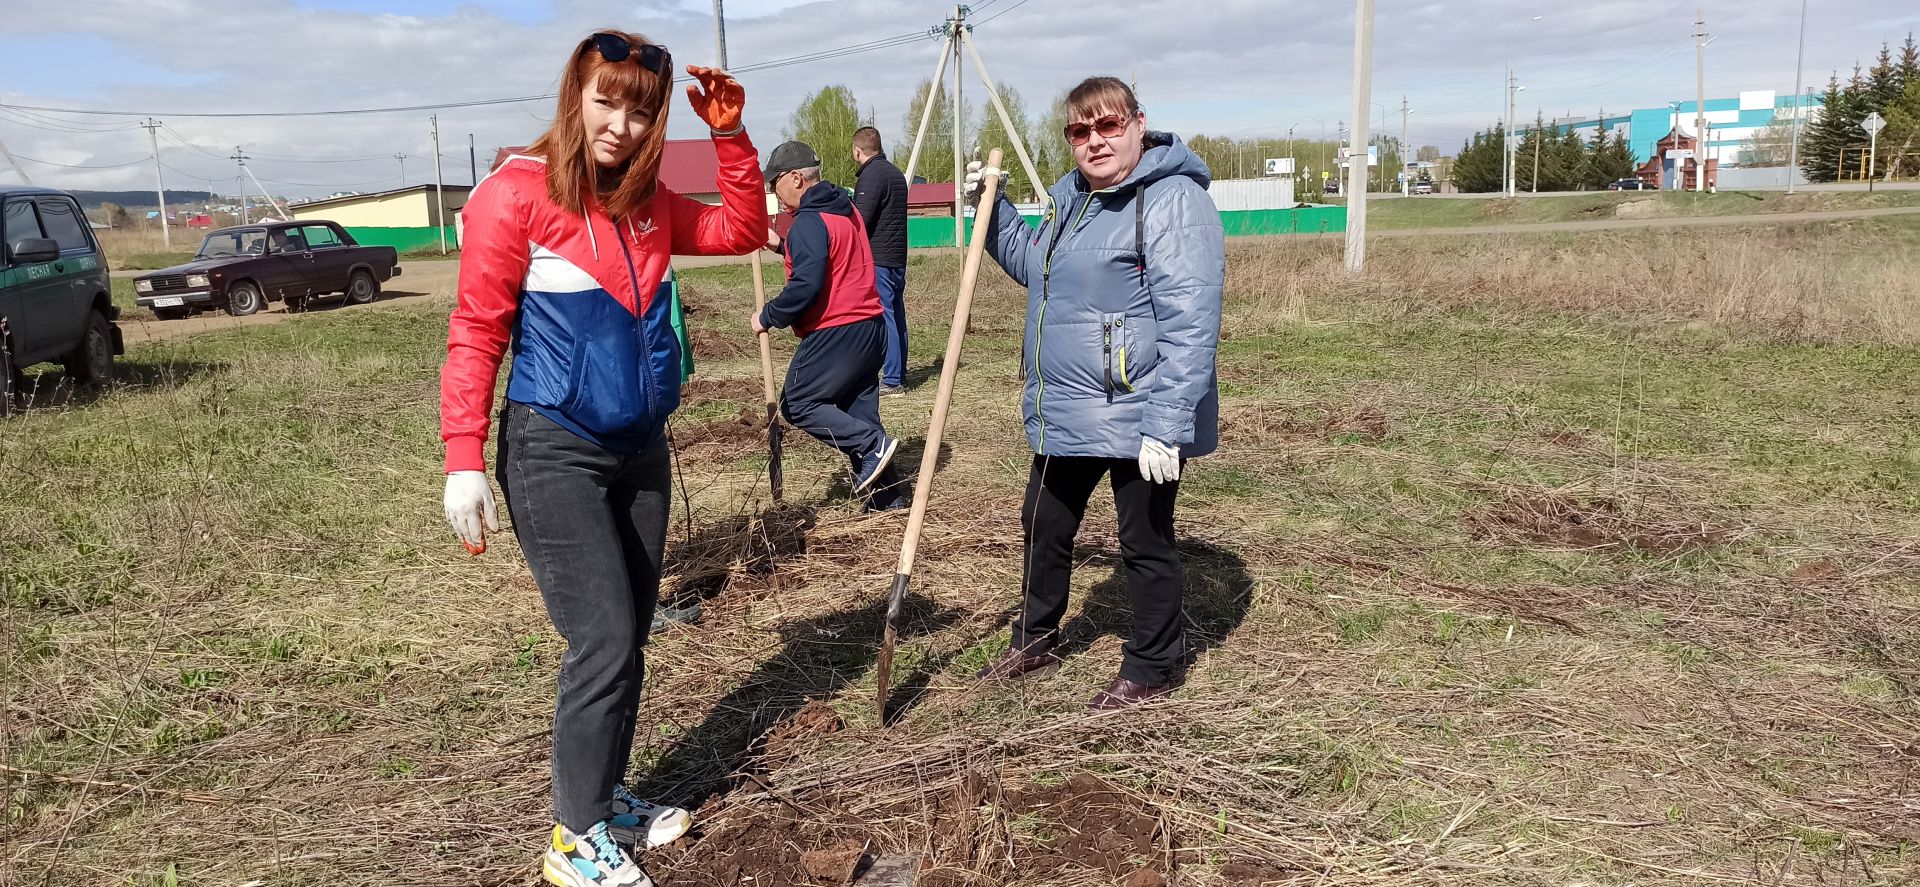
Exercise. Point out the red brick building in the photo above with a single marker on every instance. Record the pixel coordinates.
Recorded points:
(1675, 164)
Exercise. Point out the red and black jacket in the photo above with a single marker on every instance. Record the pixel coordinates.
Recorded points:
(829, 267)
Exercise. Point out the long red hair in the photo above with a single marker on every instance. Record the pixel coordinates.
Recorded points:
(571, 169)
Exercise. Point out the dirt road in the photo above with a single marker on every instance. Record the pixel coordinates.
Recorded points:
(422, 279)
(417, 280)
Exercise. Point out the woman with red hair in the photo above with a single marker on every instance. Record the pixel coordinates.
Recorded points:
(564, 262)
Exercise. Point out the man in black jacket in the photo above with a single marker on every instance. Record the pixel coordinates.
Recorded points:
(880, 195)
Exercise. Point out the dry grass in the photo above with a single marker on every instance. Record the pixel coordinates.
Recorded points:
(1494, 581)
(1843, 282)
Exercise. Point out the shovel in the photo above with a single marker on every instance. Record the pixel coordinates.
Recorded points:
(774, 474)
(930, 457)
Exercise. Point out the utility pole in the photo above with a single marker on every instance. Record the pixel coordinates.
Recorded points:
(439, 186)
(152, 127)
(1537, 139)
(959, 136)
(1357, 159)
(473, 163)
(720, 34)
(1800, 109)
(1700, 106)
(403, 168)
(1406, 179)
(1512, 145)
(240, 157)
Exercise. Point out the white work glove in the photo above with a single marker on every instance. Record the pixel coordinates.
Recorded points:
(1158, 462)
(470, 508)
(976, 173)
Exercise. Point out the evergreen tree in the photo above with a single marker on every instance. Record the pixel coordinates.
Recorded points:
(1883, 81)
(1477, 169)
(1909, 70)
(826, 121)
(1570, 152)
(1832, 131)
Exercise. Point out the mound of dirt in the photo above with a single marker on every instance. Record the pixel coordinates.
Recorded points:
(699, 391)
(1083, 823)
(1638, 209)
(744, 433)
(713, 344)
(1596, 523)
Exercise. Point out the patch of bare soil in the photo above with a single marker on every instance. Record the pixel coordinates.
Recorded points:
(1252, 426)
(1593, 523)
(1637, 209)
(709, 343)
(745, 432)
(700, 391)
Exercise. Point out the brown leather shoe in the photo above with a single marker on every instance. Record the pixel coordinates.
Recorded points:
(1019, 664)
(1123, 693)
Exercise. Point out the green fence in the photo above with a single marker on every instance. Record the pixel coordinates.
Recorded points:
(403, 240)
(925, 232)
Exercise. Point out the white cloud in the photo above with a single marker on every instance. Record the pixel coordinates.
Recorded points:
(1219, 66)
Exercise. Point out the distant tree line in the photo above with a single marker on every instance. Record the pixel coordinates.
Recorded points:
(1548, 158)
(1834, 146)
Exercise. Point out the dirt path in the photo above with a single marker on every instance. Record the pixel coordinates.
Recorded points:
(422, 279)
(417, 281)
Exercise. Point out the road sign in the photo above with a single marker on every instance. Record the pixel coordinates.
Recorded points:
(1873, 124)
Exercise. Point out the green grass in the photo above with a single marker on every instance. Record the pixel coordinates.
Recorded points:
(228, 584)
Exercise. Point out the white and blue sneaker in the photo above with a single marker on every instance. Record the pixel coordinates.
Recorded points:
(590, 860)
(873, 463)
(644, 824)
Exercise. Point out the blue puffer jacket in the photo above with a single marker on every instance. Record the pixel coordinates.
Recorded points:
(1115, 348)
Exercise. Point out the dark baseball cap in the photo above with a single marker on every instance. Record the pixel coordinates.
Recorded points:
(789, 157)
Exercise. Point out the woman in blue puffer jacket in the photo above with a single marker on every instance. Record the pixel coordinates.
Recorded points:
(1124, 276)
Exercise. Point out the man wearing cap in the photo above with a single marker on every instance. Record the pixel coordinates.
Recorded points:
(832, 388)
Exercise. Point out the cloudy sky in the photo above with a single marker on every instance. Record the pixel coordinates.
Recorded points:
(1239, 67)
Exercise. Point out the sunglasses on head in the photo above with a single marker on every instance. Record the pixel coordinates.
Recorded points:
(615, 48)
(1109, 127)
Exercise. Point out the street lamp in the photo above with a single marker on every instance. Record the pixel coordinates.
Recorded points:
(1507, 149)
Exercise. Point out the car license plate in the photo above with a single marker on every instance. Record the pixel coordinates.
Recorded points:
(169, 302)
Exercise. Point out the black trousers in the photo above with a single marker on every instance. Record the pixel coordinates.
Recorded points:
(593, 525)
(833, 386)
(1058, 488)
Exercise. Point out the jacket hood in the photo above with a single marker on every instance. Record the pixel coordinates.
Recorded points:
(1166, 156)
(826, 197)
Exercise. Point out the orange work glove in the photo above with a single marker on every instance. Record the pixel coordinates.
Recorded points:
(721, 102)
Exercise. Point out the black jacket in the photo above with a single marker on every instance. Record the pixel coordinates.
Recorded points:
(881, 196)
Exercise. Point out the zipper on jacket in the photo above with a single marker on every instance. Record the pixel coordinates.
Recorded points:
(1106, 354)
(640, 324)
(1040, 331)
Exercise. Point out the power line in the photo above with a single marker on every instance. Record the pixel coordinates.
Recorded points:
(79, 165)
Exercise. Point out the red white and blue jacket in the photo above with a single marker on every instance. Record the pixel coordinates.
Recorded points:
(581, 302)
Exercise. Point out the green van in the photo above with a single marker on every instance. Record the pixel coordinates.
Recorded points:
(55, 302)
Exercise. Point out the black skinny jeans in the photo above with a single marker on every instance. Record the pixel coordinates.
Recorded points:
(593, 526)
(1057, 492)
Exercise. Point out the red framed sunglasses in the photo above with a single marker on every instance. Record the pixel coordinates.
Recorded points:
(1109, 127)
